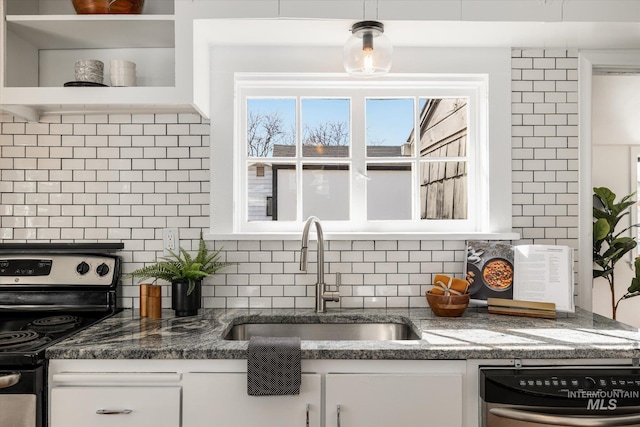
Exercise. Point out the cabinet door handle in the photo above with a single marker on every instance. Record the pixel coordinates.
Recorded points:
(338, 410)
(308, 409)
(113, 411)
(10, 380)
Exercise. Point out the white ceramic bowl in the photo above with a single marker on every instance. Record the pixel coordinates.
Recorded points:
(121, 63)
(123, 79)
(123, 71)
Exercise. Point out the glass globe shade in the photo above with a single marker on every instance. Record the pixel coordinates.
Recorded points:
(367, 53)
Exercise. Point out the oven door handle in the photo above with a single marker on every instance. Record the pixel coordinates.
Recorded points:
(569, 421)
(10, 380)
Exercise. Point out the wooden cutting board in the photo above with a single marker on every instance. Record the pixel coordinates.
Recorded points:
(546, 310)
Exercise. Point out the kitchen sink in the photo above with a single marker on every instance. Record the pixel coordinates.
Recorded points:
(324, 331)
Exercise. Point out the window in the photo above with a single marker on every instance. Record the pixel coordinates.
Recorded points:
(481, 76)
(403, 155)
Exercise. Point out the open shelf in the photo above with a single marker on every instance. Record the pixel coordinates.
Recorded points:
(92, 31)
(44, 38)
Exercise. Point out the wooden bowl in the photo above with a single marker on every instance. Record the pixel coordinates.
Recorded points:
(448, 305)
(84, 7)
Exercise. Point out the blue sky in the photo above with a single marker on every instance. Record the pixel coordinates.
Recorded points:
(389, 121)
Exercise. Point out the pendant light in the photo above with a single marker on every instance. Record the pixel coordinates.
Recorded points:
(367, 53)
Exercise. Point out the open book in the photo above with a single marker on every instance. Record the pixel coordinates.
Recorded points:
(540, 273)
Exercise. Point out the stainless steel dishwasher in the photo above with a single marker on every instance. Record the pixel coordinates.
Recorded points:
(560, 396)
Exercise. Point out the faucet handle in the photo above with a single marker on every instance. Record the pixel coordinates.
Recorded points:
(335, 292)
(333, 295)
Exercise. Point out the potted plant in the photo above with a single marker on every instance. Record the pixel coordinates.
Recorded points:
(185, 273)
(610, 246)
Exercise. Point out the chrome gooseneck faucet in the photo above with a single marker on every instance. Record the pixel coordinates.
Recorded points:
(322, 295)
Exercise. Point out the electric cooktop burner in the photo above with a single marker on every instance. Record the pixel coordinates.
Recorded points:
(21, 340)
(52, 324)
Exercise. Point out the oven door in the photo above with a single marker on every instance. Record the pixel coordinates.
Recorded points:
(21, 397)
(501, 415)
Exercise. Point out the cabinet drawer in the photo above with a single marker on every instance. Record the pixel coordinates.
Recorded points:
(133, 406)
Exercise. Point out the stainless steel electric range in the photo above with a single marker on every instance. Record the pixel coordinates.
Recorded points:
(48, 292)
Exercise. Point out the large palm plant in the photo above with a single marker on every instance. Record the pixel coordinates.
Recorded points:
(610, 246)
(183, 267)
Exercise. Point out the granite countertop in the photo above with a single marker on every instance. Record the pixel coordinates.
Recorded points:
(475, 335)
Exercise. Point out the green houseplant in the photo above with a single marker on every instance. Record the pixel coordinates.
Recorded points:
(185, 273)
(610, 246)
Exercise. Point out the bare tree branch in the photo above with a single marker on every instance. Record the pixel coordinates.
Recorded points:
(328, 133)
(263, 131)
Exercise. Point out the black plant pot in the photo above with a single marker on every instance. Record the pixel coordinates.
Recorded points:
(183, 304)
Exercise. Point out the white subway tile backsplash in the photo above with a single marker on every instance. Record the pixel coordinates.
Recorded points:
(558, 74)
(532, 53)
(13, 175)
(533, 74)
(544, 85)
(95, 141)
(32, 163)
(532, 119)
(124, 177)
(521, 63)
(13, 128)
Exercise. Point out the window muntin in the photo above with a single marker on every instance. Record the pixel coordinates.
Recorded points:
(364, 179)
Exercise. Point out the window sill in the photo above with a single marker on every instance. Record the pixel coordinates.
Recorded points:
(366, 236)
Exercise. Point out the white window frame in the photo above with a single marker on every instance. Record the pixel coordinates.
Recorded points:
(495, 62)
(471, 87)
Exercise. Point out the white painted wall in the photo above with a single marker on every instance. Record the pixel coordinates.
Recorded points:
(616, 110)
(616, 136)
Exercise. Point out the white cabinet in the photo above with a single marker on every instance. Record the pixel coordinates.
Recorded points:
(223, 397)
(399, 400)
(42, 39)
(364, 399)
(115, 406)
(371, 393)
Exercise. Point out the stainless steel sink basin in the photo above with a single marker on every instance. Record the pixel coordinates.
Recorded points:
(324, 331)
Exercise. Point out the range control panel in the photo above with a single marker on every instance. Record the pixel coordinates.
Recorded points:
(592, 388)
(58, 269)
(589, 382)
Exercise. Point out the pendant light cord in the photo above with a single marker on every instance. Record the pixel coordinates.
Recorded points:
(364, 9)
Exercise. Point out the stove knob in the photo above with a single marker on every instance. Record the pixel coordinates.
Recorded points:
(102, 270)
(83, 268)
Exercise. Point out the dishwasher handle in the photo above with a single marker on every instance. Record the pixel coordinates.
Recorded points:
(566, 421)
